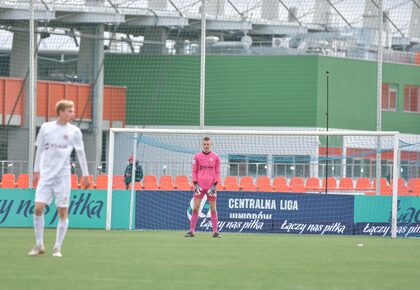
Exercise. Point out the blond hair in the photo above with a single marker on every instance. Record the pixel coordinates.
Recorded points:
(63, 105)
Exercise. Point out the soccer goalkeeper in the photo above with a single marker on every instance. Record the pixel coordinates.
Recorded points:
(205, 175)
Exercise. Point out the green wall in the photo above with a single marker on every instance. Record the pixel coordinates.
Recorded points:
(260, 91)
(161, 90)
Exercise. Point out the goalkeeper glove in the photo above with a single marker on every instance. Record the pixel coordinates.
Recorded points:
(197, 189)
(212, 190)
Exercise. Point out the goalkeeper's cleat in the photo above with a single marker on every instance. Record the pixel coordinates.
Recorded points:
(37, 251)
(189, 235)
(217, 235)
(56, 252)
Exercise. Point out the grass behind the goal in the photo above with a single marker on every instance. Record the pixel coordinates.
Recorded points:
(95, 259)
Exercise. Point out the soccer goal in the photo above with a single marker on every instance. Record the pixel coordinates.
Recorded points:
(316, 182)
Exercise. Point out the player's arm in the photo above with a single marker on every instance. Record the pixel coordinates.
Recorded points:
(197, 188)
(39, 143)
(212, 189)
(81, 157)
(38, 152)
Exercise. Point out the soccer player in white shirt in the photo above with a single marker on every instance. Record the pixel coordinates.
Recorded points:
(55, 142)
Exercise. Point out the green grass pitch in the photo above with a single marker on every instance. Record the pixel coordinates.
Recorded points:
(95, 259)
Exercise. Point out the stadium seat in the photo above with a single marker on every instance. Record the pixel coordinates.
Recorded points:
(166, 186)
(264, 184)
(263, 180)
(265, 188)
(8, 181)
(138, 185)
(279, 180)
(74, 181)
(403, 190)
(346, 183)
(248, 187)
(102, 181)
(184, 186)
(220, 185)
(230, 179)
(182, 182)
(150, 183)
(118, 185)
(401, 182)
(412, 182)
(166, 182)
(416, 189)
(386, 190)
(363, 184)
(332, 183)
(231, 186)
(245, 180)
(299, 188)
(296, 181)
(280, 187)
(117, 178)
(22, 181)
(312, 183)
(383, 182)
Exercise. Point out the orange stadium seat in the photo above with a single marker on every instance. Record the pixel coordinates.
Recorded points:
(231, 186)
(382, 182)
(386, 190)
(263, 180)
(312, 183)
(230, 179)
(23, 181)
(295, 181)
(403, 190)
(401, 182)
(363, 184)
(166, 182)
(279, 180)
(416, 189)
(412, 182)
(8, 181)
(182, 182)
(138, 185)
(117, 178)
(280, 187)
(332, 183)
(102, 181)
(346, 183)
(74, 181)
(150, 183)
(300, 188)
(118, 185)
(264, 184)
(248, 187)
(245, 180)
(219, 185)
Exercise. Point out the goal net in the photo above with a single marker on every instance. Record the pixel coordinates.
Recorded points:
(311, 182)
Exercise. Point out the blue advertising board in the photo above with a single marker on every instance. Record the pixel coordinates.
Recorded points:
(249, 212)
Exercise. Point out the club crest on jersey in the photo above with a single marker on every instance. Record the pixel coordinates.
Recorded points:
(66, 137)
(211, 158)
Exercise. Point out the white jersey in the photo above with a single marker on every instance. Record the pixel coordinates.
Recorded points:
(55, 143)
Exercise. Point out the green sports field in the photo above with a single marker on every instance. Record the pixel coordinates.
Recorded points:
(95, 259)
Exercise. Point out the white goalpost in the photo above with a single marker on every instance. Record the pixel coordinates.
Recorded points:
(170, 151)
